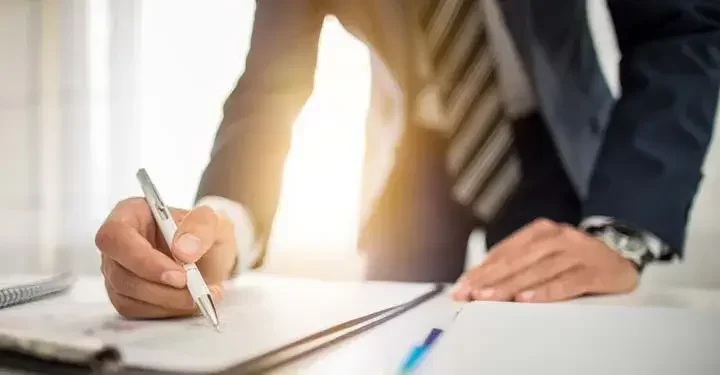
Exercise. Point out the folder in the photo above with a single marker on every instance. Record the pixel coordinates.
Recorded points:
(266, 323)
(507, 338)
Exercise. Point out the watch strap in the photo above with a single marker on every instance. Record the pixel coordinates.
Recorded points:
(657, 247)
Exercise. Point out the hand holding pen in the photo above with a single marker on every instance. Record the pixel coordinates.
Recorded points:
(143, 278)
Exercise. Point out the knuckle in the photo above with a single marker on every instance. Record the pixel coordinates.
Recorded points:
(543, 224)
(126, 210)
(571, 234)
(200, 216)
(107, 234)
(133, 203)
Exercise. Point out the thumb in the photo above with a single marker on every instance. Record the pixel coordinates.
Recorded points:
(196, 234)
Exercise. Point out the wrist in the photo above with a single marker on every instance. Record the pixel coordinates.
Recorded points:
(638, 246)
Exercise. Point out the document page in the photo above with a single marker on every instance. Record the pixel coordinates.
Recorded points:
(256, 317)
(569, 339)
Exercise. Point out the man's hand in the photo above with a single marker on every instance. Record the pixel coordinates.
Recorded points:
(547, 261)
(141, 277)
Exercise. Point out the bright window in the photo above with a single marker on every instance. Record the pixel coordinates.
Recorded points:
(192, 53)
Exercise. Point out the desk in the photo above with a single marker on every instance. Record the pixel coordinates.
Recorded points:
(380, 350)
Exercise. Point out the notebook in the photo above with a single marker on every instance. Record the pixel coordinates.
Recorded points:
(257, 319)
(23, 289)
(568, 339)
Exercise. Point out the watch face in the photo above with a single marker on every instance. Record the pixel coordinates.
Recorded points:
(634, 250)
(629, 246)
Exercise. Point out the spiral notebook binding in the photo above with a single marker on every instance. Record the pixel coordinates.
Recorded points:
(23, 293)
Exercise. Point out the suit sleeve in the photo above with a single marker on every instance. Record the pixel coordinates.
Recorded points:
(253, 139)
(650, 165)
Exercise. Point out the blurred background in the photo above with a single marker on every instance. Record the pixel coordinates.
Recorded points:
(91, 90)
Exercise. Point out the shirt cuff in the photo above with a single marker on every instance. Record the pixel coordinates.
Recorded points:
(239, 216)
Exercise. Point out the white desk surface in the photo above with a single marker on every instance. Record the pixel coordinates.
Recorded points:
(381, 350)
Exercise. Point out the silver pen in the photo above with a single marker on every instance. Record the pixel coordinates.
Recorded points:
(196, 284)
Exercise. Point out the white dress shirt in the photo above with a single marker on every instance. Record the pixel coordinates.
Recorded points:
(517, 97)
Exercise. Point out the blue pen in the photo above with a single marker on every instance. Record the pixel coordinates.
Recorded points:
(417, 353)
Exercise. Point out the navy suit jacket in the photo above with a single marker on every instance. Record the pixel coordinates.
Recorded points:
(637, 158)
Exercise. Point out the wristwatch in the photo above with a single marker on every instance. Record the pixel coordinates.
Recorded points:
(636, 245)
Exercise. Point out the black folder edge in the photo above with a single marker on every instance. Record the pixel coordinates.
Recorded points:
(108, 359)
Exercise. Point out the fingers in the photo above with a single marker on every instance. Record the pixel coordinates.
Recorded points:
(517, 262)
(570, 284)
(503, 254)
(218, 263)
(196, 234)
(142, 280)
(127, 284)
(134, 297)
(121, 242)
(462, 291)
(134, 309)
(502, 261)
(541, 272)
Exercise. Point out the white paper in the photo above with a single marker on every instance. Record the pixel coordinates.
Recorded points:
(255, 317)
(513, 338)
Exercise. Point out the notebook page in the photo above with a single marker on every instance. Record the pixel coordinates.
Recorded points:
(255, 318)
(570, 339)
(8, 281)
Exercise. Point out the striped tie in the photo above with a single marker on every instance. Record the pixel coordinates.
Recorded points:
(480, 156)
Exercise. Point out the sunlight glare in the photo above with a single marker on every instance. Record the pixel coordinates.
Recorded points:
(319, 203)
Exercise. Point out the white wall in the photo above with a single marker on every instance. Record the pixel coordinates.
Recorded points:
(18, 132)
(35, 99)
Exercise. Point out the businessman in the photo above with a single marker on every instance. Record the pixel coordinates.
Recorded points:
(506, 124)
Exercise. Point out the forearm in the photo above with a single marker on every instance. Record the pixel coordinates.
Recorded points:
(254, 137)
(650, 166)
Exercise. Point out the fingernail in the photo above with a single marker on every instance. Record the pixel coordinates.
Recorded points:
(173, 278)
(487, 293)
(459, 285)
(459, 291)
(188, 244)
(527, 295)
(217, 292)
